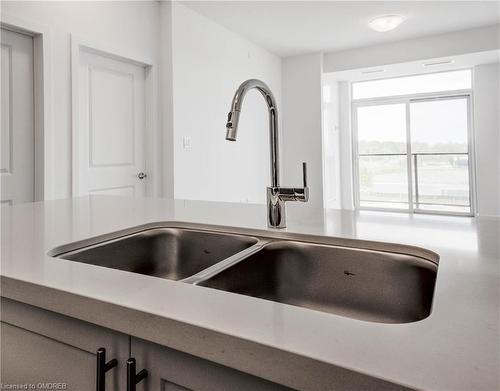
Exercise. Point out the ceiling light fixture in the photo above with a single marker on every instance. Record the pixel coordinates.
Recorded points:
(386, 23)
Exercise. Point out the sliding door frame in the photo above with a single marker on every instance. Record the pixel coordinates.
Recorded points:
(407, 100)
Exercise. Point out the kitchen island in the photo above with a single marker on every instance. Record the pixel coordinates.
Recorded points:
(456, 347)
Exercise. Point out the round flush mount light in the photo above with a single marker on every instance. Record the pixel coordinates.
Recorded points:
(386, 23)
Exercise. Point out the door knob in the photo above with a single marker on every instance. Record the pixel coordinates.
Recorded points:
(141, 175)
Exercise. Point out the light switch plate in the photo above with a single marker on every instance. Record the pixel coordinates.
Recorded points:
(186, 142)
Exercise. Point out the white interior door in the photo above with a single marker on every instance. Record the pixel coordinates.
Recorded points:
(110, 153)
(17, 131)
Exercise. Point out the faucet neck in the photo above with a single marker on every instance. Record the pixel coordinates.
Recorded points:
(273, 121)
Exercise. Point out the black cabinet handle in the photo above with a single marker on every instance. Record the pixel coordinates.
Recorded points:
(102, 368)
(132, 377)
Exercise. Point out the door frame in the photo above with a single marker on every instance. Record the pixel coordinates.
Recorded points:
(44, 170)
(151, 131)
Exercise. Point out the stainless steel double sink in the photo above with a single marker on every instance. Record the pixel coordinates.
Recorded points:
(370, 281)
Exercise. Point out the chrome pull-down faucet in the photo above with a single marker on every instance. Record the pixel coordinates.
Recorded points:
(276, 195)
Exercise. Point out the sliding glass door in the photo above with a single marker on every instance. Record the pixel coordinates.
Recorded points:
(414, 154)
(440, 148)
(382, 156)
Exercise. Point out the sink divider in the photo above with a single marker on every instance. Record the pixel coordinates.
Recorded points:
(219, 267)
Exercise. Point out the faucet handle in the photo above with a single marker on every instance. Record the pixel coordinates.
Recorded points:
(304, 174)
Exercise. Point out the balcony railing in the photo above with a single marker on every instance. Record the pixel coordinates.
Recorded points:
(427, 201)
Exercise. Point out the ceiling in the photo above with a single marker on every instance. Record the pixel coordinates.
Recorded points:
(289, 28)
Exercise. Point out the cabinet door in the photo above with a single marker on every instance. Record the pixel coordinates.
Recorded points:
(29, 358)
(43, 346)
(171, 370)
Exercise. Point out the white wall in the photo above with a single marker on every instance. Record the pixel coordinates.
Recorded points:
(338, 178)
(450, 44)
(130, 27)
(331, 146)
(209, 63)
(487, 138)
(302, 123)
(166, 98)
(346, 155)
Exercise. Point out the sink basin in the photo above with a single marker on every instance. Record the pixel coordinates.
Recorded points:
(369, 285)
(378, 282)
(172, 253)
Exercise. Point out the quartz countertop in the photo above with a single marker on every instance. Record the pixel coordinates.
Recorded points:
(455, 348)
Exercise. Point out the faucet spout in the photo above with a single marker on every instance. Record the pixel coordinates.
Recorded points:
(234, 116)
(276, 195)
(232, 125)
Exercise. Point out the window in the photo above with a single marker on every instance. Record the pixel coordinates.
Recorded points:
(413, 152)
